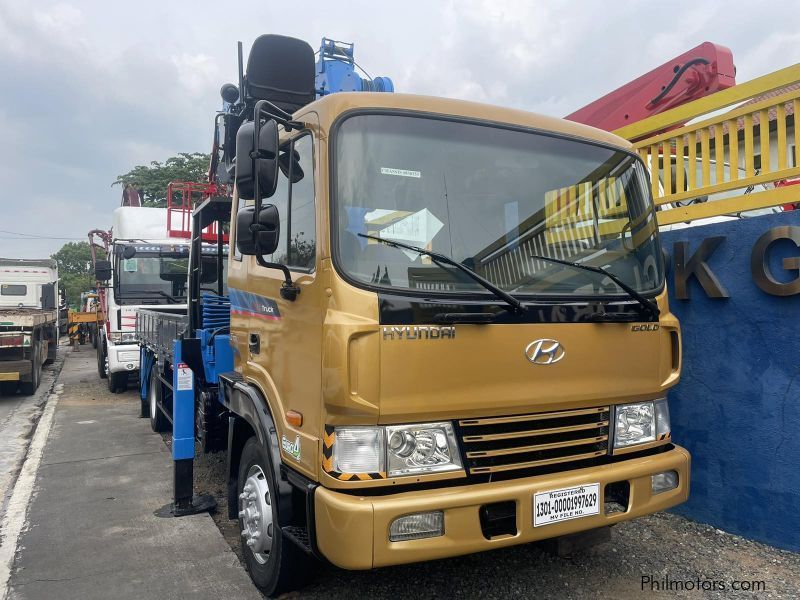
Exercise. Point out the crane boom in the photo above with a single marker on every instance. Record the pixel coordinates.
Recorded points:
(701, 71)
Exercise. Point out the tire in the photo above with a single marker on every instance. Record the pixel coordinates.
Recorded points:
(117, 382)
(282, 567)
(101, 360)
(29, 387)
(144, 406)
(158, 420)
(208, 425)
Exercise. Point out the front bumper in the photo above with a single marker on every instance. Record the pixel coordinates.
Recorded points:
(353, 531)
(123, 357)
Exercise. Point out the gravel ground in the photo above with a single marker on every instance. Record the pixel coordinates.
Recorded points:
(661, 546)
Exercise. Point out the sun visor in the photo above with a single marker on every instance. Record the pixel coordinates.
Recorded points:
(281, 69)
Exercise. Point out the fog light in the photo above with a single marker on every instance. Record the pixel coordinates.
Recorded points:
(417, 526)
(663, 482)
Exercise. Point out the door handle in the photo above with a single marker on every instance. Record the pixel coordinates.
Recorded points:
(254, 342)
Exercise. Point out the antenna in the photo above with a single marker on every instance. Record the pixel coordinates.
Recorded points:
(241, 72)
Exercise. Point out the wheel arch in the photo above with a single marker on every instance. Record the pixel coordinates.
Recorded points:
(250, 416)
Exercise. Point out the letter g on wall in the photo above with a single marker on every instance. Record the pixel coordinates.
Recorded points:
(759, 262)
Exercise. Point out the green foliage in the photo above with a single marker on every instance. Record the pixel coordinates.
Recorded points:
(73, 285)
(75, 270)
(152, 180)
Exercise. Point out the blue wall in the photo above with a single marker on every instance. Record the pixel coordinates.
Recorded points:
(737, 407)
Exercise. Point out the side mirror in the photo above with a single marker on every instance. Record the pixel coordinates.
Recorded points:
(49, 296)
(267, 151)
(102, 270)
(265, 239)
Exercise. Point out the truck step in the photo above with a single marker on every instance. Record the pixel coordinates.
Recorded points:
(298, 535)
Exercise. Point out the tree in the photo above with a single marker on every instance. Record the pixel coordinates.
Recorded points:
(152, 180)
(75, 270)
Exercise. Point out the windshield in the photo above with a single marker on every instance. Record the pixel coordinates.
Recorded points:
(151, 279)
(490, 198)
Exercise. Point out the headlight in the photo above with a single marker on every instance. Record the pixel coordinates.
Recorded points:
(428, 448)
(123, 337)
(397, 449)
(640, 423)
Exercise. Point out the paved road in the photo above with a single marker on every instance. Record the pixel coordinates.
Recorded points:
(18, 417)
(85, 528)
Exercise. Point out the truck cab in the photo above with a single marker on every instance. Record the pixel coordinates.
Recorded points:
(450, 331)
(29, 321)
(145, 268)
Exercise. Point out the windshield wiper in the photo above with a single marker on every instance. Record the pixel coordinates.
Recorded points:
(648, 305)
(440, 259)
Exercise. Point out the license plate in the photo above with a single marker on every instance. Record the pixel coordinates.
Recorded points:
(565, 504)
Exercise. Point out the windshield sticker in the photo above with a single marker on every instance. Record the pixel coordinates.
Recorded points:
(370, 220)
(248, 304)
(130, 265)
(417, 229)
(400, 172)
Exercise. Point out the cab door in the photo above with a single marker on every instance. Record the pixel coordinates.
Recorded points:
(282, 347)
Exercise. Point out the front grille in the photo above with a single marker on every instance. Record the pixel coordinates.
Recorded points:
(524, 442)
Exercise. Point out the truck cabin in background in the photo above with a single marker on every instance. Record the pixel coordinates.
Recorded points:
(29, 321)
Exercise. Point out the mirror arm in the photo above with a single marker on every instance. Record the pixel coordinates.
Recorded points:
(289, 290)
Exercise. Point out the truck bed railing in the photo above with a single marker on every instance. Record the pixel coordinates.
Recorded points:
(158, 329)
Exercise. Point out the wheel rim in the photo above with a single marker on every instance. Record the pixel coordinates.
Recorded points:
(152, 394)
(255, 514)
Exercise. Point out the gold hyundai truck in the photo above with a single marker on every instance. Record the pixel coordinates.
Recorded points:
(450, 332)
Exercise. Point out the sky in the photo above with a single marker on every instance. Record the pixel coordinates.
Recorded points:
(93, 88)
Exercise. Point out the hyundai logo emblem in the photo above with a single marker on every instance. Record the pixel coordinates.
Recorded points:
(544, 352)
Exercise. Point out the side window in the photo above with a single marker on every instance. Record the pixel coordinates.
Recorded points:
(296, 207)
(281, 201)
(301, 230)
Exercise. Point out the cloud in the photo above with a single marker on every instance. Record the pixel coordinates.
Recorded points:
(92, 89)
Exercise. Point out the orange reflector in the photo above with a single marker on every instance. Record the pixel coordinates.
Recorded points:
(294, 418)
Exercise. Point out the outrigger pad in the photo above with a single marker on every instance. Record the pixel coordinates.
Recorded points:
(282, 70)
(200, 503)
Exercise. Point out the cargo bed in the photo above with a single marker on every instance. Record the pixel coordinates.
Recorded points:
(157, 329)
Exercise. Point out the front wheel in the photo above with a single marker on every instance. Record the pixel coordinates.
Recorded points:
(29, 387)
(101, 360)
(275, 564)
(118, 382)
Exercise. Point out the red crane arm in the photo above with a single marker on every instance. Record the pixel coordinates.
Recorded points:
(701, 71)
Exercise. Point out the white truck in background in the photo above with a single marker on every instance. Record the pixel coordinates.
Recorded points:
(28, 321)
(145, 267)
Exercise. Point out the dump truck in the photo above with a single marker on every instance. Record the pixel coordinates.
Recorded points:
(29, 321)
(445, 328)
